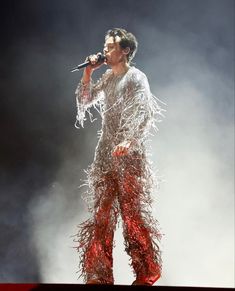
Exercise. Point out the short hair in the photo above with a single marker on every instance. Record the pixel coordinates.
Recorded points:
(127, 40)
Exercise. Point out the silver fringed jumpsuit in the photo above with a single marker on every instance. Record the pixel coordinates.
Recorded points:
(119, 185)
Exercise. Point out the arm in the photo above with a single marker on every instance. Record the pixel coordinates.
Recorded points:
(137, 116)
(88, 93)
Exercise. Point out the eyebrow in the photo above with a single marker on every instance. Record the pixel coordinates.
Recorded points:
(110, 43)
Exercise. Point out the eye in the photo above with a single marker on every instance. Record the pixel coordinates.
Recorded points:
(109, 47)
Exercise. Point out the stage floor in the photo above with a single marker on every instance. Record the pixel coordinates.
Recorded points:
(83, 287)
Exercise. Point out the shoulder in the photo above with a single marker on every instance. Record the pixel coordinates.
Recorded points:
(135, 72)
(137, 77)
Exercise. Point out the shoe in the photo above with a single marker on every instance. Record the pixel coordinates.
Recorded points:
(94, 281)
(139, 282)
(147, 281)
(98, 281)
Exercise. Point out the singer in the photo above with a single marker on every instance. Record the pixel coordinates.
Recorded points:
(120, 178)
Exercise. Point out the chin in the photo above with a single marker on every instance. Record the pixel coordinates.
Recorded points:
(109, 64)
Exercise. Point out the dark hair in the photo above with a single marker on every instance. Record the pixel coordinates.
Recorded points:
(127, 40)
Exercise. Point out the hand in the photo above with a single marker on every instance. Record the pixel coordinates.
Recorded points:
(121, 149)
(90, 68)
(94, 61)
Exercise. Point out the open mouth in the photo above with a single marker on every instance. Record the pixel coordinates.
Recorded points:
(105, 60)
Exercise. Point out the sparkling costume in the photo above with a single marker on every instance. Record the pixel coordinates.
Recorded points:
(119, 185)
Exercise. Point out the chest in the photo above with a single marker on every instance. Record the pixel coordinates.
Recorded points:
(114, 95)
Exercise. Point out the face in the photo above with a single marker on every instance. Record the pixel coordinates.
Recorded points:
(113, 52)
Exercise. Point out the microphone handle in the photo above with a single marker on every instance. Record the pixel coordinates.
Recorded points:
(101, 58)
(83, 65)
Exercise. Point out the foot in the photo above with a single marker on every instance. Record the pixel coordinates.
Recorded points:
(148, 281)
(98, 281)
(94, 281)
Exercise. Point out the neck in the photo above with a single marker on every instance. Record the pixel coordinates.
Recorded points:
(120, 68)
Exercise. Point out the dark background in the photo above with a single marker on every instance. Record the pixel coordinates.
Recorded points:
(43, 155)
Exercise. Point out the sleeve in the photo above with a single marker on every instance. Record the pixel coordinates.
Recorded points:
(88, 95)
(141, 111)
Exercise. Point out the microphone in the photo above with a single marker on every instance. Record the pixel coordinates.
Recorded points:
(101, 59)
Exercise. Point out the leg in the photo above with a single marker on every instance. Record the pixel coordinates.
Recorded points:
(139, 226)
(96, 235)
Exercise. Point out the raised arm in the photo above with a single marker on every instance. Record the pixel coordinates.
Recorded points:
(88, 93)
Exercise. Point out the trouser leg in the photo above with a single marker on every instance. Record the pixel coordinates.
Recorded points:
(140, 246)
(97, 257)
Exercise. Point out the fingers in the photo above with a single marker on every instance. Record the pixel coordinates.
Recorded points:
(94, 59)
(120, 151)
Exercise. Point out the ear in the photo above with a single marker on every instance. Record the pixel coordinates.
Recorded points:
(126, 50)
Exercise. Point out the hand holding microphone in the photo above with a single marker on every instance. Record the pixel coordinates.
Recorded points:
(92, 62)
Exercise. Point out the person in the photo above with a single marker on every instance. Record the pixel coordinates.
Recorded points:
(120, 178)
